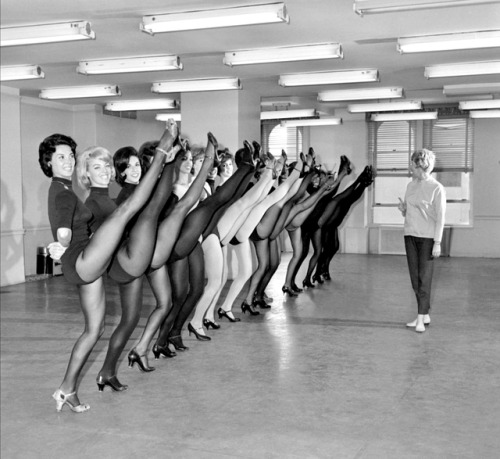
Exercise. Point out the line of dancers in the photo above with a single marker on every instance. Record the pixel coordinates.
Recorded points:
(172, 218)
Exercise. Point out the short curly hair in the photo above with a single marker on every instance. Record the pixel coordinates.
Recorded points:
(424, 159)
(121, 159)
(82, 164)
(48, 147)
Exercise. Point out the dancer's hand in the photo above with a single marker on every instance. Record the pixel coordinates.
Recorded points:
(56, 250)
(436, 250)
(402, 207)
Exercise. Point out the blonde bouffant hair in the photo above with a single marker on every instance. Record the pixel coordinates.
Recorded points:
(424, 159)
(82, 162)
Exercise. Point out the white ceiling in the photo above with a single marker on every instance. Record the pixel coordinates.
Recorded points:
(367, 42)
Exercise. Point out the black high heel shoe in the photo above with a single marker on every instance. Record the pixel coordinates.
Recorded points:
(199, 336)
(261, 304)
(112, 382)
(162, 350)
(307, 283)
(221, 313)
(317, 278)
(297, 289)
(289, 290)
(176, 341)
(141, 360)
(208, 323)
(248, 307)
(326, 276)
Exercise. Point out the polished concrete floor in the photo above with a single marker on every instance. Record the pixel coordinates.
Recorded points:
(333, 373)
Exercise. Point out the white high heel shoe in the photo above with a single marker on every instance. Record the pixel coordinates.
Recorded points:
(62, 399)
(427, 321)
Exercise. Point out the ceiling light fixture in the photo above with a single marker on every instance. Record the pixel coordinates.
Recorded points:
(404, 116)
(360, 94)
(208, 19)
(168, 116)
(78, 92)
(284, 54)
(465, 89)
(449, 42)
(201, 84)
(462, 69)
(144, 104)
(485, 114)
(313, 122)
(129, 65)
(336, 77)
(385, 106)
(21, 72)
(283, 114)
(46, 33)
(479, 104)
(363, 7)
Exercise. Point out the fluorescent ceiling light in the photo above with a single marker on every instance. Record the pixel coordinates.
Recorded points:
(479, 104)
(313, 122)
(168, 116)
(449, 42)
(336, 77)
(46, 33)
(208, 19)
(386, 106)
(201, 84)
(20, 72)
(360, 94)
(284, 54)
(129, 65)
(404, 116)
(462, 69)
(465, 89)
(283, 114)
(146, 104)
(485, 114)
(77, 92)
(363, 7)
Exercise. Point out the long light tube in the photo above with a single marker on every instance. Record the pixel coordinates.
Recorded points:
(283, 114)
(46, 33)
(21, 72)
(385, 106)
(202, 84)
(462, 69)
(363, 7)
(479, 104)
(284, 54)
(475, 88)
(129, 65)
(360, 94)
(485, 114)
(208, 19)
(78, 92)
(449, 42)
(146, 104)
(336, 77)
(168, 116)
(313, 122)
(404, 116)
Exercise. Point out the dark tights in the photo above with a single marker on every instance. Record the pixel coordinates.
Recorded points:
(274, 262)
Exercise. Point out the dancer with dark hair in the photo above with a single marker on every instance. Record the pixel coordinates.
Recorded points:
(84, 258)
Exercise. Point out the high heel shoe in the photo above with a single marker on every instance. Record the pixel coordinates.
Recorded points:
(163, 350)
(198, 335)
(297, 289)
(261, 304)
(112, 382)
(288, 290)
(208, 323)
(307, 283)
(62, 399)
(326, 276)
(248, 307)
(317, 278)
(176, 341)
(141, 360)
(221, 313)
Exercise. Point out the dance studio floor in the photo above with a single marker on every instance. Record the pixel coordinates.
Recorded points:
(333, 373)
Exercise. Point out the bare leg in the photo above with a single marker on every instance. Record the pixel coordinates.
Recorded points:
(262, 251)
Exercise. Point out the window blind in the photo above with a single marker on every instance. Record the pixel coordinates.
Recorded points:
(276, 138)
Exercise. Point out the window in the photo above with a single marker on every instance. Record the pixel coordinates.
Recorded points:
(390, 146)
(276, 138)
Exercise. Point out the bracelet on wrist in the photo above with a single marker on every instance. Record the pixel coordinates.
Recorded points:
(161, 150)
